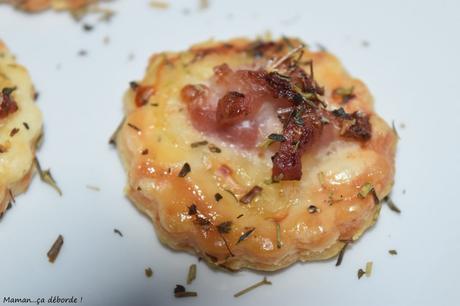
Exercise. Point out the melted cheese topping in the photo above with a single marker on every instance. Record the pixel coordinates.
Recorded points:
(155, 142)
(16, 162)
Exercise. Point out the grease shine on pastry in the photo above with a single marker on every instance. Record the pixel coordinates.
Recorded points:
(255, 154)
(20, 128)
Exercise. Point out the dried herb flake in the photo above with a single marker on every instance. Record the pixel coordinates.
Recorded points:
(45, 176)
(180, 292)
(342, 252)
(245, 235)
(148, 272)
(191, 274)
(192, 210)
(392, 205)
(112, 139)
(218, 197)
(134, 127)
(248, 197)
(14, 131)
(313, 209)
(276, 137)
(55, 249)
(368, 269)
(361, 273)
(244, 291)
(198, 143)
(224, 227)
(11, 196)
(185, 170)
(365, 189)
(346, 94)
(213, 148)
(279, 244)
(94, 188)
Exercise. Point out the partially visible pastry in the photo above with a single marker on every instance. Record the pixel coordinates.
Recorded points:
(40, 5)
(255, 154)
(20, 128)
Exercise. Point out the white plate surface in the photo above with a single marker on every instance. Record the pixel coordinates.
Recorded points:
(411, 65)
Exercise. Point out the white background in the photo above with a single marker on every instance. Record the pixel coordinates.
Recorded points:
(411, 65)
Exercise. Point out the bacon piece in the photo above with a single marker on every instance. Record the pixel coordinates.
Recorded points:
(143, 94)
(281, 87)
(199, 108)
(229, 108)
(361, 128)
(232, 108)
(300, 133)
(223, 111)
(305, 82)
(7, 105)
(355, 125)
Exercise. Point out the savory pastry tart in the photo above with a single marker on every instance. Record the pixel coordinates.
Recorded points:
(40, 5)
(255, 154)
(20, 128)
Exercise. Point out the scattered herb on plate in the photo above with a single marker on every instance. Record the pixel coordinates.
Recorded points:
(256, 285)
(55, 249)
(191, 274)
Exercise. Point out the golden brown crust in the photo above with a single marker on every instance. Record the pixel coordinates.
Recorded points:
(155, 142)
(41, 5)
(19, 130)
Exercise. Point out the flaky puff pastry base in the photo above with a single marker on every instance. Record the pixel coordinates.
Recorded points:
(154, 142)
(17, 158)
